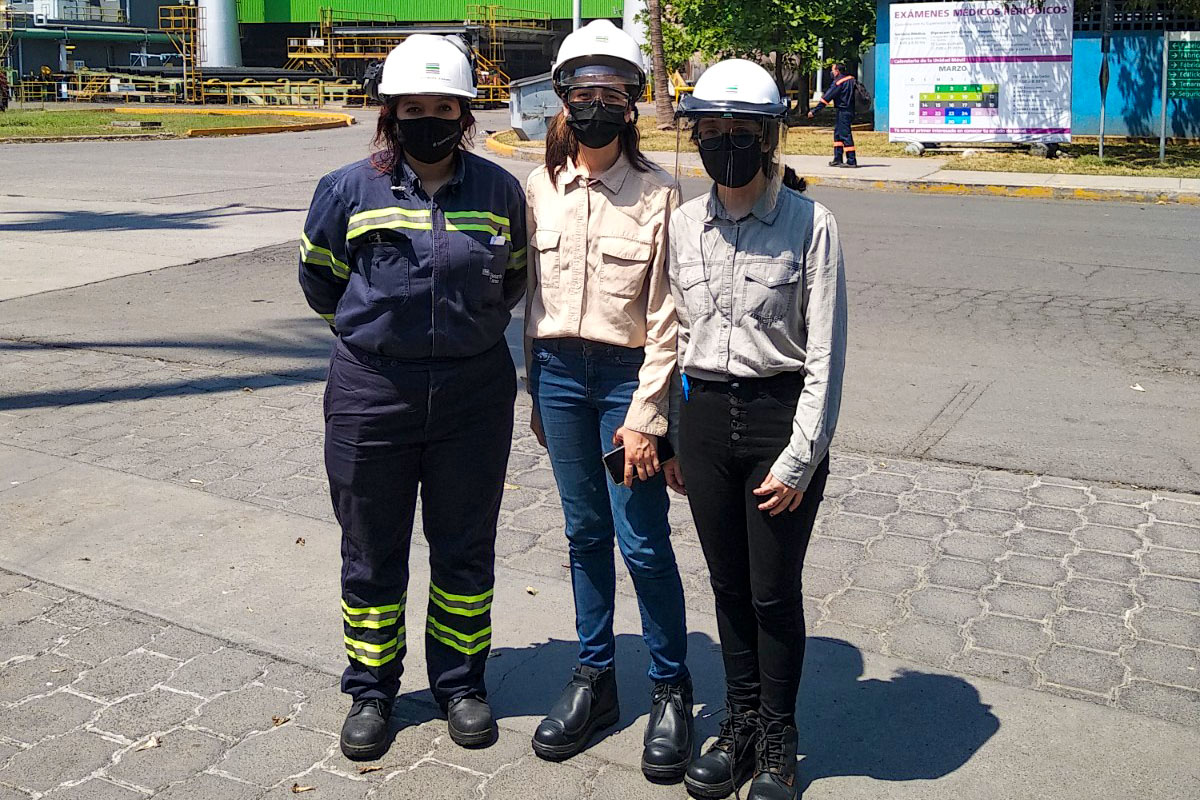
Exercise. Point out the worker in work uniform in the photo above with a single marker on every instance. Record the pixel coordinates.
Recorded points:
(415, 257)
(760, 291)
(840, 95)
(600, 326)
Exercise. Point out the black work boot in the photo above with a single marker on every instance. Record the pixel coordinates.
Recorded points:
(470, 721)
(365, 731)
(835, 163)
(775, 767)
(669, 732)
(730, 760)
(586, 706)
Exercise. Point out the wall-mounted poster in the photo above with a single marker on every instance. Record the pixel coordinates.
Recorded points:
(981, 71)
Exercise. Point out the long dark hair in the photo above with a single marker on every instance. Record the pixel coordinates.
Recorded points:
(389, 151)
(561, 144)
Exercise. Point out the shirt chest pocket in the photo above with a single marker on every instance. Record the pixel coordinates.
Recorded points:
(545, 244)
(772, 288)
(623, 265)
(387, 263)
(693, 288)
(485, 279)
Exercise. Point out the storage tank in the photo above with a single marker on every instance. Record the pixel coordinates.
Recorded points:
(222, 47)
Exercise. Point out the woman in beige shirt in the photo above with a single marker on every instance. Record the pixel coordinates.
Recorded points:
(600, 329)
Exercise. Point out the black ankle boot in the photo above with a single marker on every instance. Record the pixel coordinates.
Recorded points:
(775, 767)
(470, 721)
(730, 760)
(587, 705)
(669, 732)
(365, 731)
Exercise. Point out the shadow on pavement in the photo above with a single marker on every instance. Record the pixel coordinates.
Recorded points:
(80, 220)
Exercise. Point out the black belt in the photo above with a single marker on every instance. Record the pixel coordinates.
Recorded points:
(745, 387)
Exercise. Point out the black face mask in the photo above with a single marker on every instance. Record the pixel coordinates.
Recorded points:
(595, 125)
(429, 139)
(728, 165)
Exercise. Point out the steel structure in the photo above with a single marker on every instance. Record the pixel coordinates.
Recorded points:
(185, 25)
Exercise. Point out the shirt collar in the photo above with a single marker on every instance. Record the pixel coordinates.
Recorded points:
(613, 178)
(765, 210)
(405, 179)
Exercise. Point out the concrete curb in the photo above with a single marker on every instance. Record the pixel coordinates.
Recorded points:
(324, 119)
(925, 187)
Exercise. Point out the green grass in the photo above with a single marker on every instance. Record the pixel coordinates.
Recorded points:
(49, 124)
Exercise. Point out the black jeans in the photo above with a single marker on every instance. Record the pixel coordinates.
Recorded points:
(730, 435)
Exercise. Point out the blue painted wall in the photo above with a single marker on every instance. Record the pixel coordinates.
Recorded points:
(1134, 88)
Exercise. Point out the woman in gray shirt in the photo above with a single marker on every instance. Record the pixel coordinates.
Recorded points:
(756, 271)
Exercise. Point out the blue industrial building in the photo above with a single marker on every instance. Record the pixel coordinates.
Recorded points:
(1135, 65)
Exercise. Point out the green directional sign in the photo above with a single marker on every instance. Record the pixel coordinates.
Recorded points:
(1183, 65)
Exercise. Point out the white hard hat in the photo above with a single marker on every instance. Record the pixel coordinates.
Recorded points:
(597, 52)
(427, 64)
(734, 87)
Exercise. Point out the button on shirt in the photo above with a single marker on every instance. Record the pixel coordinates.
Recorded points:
(598, 271)
(762, 296)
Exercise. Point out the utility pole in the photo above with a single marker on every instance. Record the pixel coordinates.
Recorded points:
(1106, 22)
(576, 14)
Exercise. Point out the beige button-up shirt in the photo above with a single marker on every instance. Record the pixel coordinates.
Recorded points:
(597, 256)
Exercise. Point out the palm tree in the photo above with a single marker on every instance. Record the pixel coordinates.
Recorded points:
(662, 90)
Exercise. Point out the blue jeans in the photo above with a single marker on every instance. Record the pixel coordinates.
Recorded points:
(582, 391)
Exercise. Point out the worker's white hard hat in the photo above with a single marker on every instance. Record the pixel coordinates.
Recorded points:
(597, 53)
(734, 88)
(427, 64)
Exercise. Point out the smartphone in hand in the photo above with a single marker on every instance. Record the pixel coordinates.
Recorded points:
(615, 460)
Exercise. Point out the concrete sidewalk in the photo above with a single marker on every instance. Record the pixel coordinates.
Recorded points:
(927, 175)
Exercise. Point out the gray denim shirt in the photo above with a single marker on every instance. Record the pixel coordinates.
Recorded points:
(761, 296)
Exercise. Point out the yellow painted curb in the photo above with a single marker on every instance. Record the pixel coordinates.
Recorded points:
(322, 119)
(926, 187)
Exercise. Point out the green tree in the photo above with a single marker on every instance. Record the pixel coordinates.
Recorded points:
(669, 48)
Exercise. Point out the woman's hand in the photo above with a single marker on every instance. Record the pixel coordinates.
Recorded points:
(674, 476)
(781, 497)
(535, 425)
(641, 454)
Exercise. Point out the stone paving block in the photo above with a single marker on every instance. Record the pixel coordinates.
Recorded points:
(1021, 601)
(1112, 540)
(21, 607)
(222, 671)
(834, 553)
(1180, 537)
(433, 781)
(326, 786)
(143, 714)
(1170, 593)
(511, 543)
(1004, 668)
(1051, 519)
(900, 466)
(252, 709)
(837, 487)
(1086, 629)
(1163, 625)
(903, 550)
(1057, 480)
(869, 609)
(135, 672)
(1061, 496)
(1005, 480)
(28, 638)
(618, 783)
(1082, 669)
(267, 758)
(1047, 544)
(924, 640)
(102, 642)
(945, 605)
(862, 638)
(509, 748)
(1132, 497)
(945, 480)
(324, 711)
(1176, 511)
(183, 644)
(1032, 569)
(536, 478)
(1116, 516)
(884, 577)
(535, 519)
(851, 526)
(180, 755)
(847, 466)
(46, 765)
(884, 483)
(1100, 596)
(1167, 702)
(969, 575)
(52, 715)
(973, 546)
(1020, 637)
(983, 521)
(11, 582)
(995, 500)
(870, 504)
(77, 611)
(210, 787)
(1103, 566)
(94, 789)
(1175, 563)
(39, 675)
(822, 582)
(552, 782)
(1164, 663)
(930, 502)
(296, 678)
(922, 526)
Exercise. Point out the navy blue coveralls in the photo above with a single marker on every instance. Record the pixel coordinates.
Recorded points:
(419, 398)
(841, 96)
